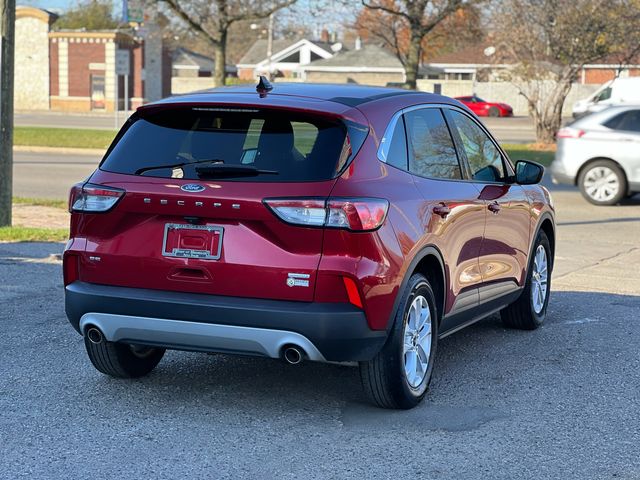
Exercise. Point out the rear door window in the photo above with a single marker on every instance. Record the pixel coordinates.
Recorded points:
(628, 121)
(431, 150)
(265, 145)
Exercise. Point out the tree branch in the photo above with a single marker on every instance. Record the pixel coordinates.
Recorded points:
(197, 26)
(260, 14)
(382, 8)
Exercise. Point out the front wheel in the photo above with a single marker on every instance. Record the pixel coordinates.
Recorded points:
(530, 310)
(398, 377)
(494, 112)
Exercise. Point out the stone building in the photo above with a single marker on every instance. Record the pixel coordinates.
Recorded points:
(75, 71)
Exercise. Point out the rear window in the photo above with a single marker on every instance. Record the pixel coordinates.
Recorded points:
(209, 142)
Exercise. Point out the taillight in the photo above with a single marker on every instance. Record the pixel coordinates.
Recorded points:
(568, 132)
(357, 214)
(93, 198)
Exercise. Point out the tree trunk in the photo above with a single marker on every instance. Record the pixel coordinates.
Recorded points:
(220, 52)
(8, 20)
(548, 119)
(413, 59)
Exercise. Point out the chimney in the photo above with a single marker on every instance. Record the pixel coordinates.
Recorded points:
(358, 43)
(324, 36)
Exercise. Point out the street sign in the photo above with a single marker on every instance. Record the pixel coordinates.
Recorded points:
(123, 62)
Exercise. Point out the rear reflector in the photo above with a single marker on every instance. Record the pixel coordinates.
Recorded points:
(70, 269)
(93, 198)
(352, 292)
(568, 132)
(356, 214)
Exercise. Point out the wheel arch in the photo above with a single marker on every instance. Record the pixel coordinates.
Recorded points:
(546, 225)
(428, 262)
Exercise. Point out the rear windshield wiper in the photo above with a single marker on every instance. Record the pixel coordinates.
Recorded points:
(222, 170)
(177, 165)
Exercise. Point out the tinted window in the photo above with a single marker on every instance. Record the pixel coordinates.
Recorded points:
(483, 156)
(603, 95)
(299, 147)
(431, 150)
(397, 155)
(628, 121)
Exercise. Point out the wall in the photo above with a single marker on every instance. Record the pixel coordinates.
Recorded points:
(190, 84)
(504, 92)
(31, 64)
(363, 78)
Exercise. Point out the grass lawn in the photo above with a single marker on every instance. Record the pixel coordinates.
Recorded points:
(28, 234)
(40, 202)
(528, 152)
(63, 137)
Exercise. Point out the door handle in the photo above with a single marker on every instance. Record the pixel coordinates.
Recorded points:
(494, 207)
(442, 210)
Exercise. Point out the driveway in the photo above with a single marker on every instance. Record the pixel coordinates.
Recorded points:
(559, 402)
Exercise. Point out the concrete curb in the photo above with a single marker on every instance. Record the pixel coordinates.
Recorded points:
(61, 150)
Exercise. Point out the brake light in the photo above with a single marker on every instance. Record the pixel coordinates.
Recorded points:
(356, 214)
(567, 132)
(93, 198)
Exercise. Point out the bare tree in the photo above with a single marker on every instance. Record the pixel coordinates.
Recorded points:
(420, 18)
(548, 42)
(212, 19)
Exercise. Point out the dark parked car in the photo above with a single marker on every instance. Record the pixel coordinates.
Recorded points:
(319, 222)
(483, 108)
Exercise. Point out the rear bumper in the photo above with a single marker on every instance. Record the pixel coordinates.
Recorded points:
(184, 321)
(559, 175)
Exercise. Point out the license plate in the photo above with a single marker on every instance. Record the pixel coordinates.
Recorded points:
(192, 241)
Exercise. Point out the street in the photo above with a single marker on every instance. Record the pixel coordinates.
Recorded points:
(507, 130)
(558, 402)
(49, 175)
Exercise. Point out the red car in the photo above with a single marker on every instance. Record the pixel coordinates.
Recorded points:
(318, 222)
(486, 109)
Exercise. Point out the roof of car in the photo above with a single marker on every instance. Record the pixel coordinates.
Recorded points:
(347, 94)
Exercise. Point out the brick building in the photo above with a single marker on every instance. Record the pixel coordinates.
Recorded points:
(75, 71)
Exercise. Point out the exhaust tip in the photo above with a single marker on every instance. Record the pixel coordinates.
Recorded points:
(293, 355)
(95, 335)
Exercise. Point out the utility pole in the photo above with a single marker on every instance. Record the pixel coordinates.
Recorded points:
(7, 36)
(270, 47)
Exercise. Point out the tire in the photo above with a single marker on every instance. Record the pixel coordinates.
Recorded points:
(594, 186)
(494, 112)
(121, 360)
(384, 378)
(527, 313)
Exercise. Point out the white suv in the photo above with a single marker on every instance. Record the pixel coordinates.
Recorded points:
(600, 153)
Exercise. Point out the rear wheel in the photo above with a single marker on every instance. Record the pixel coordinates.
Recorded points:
(530, 310)
(494, 112)
(398, 377)
(122, 360)
(603, 183)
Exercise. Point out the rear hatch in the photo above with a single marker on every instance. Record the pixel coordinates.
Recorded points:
(192, 214)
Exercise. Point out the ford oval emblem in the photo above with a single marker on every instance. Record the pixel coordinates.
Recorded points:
(192, 188)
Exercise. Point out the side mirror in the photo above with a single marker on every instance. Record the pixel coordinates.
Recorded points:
(528, 173)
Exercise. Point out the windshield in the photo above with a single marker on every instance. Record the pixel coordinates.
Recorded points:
(240, 144)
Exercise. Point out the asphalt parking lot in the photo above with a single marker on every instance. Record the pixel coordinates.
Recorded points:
(561, 402)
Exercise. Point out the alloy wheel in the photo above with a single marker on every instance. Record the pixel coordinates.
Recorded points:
(601, 183)
(417, 341)
(539, 279)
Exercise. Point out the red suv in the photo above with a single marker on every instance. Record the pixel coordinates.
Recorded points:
(320, 222)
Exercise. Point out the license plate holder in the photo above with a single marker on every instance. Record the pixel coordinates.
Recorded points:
(203, 242)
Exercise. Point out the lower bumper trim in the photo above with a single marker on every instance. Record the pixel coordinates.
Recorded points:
(206, 337)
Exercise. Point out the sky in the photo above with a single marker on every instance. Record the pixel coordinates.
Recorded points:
(334, 12)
